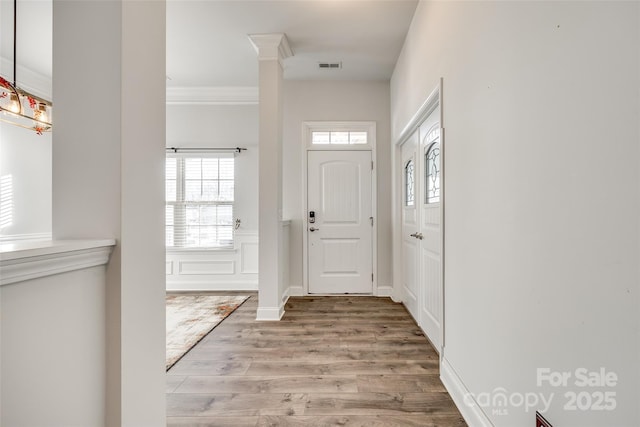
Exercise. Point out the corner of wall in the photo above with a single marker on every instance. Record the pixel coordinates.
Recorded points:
(385, 291)
(295, 291)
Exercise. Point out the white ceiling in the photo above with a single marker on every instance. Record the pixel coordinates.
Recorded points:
(207, 43)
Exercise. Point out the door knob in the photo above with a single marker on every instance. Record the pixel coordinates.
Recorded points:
(414, 235)
(419, 236)
(312, 229)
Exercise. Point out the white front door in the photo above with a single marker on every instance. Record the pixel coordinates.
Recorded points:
(410, 242)
(340, 238)
(431, 229)
(422, 232)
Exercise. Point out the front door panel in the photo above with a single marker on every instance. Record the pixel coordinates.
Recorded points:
(340, 238)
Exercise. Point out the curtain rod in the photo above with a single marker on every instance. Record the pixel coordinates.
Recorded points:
(234, 149)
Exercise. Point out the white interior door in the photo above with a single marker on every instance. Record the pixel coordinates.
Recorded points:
(431, 229)
(340, 238)
(410, 241)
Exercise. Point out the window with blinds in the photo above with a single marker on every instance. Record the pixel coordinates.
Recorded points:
(199, 195)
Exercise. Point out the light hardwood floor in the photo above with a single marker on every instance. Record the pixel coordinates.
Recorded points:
(331, 361)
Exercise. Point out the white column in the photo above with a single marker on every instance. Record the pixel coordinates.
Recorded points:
(108, 181)
(272, 49)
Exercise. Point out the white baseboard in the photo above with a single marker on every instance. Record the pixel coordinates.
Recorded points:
(285, 298)
(269, 313)
(464, 400)
(295, 291)
(287, 293)
(230, 285)
(385, 291)
(396, 295)
(298, 291)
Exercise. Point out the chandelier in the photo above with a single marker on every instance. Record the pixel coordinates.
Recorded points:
(19, 107)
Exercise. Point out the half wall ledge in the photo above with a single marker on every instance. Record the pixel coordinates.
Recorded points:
(20, 261)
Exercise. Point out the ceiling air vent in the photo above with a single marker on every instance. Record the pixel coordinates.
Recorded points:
(330, 65)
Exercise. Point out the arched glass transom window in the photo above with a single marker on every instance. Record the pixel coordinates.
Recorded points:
(432, 173)
(409, 184)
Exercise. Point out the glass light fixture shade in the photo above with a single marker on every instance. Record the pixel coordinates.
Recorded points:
(20, 108)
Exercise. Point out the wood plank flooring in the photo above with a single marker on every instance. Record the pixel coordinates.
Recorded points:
(331, 361)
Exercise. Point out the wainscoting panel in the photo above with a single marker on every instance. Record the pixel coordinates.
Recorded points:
(249, 257)
(206, 266)
(216, 270)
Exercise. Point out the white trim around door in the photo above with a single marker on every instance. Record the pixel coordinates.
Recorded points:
(308, 129)
(433, 101)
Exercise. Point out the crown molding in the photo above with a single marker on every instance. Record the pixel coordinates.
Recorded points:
(271, 47)
(29, 80)
(212, 95)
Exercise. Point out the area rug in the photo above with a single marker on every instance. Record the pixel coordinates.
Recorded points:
(191, 317)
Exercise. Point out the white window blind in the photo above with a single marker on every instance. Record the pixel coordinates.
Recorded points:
(199, 195)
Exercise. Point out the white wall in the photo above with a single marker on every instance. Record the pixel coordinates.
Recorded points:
(335, 101)
(53, 350)
(199, 126)
(212, 125)
(542, 193)
(26, 158)
(24, 155)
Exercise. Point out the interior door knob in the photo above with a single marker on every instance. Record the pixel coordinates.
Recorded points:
(312, 229)
(414, 235)
(419, 236)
